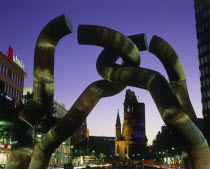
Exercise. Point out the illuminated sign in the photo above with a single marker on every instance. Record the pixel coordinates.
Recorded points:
(18, 62)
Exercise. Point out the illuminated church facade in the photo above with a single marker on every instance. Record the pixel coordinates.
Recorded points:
(131, 140)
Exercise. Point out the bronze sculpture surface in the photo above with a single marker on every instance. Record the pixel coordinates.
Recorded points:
(172, 99)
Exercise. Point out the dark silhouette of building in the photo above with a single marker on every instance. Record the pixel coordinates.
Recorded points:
(11, 77)
(80, 135)
(132, 141)
(101, 144)
(79, 140)
(202, 16)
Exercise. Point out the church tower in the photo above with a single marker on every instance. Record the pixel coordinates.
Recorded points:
(131, 143)
(118, 127)
(129, 109)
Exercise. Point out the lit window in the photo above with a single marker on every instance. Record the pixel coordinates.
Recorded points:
(6, 71)
(8, 89)
(128, 109)
(5, 87)
(3, 69)
(13, 93)
(15, 77)
(16, 94)
(10, 93)
(208, 93)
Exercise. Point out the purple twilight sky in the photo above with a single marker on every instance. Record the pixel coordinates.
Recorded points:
(22, 21)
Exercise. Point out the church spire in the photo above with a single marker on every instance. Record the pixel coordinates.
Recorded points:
(118, 117)
(118, 126)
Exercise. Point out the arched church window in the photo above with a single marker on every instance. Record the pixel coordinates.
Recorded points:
(118, 149)
(128, 109)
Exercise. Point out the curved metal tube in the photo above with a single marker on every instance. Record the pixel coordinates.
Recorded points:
(43, 86)
(43, 89)
(101, 36)
(165, 99)
(168, 105)
(173, 66)
(76, 115)
(71, 121)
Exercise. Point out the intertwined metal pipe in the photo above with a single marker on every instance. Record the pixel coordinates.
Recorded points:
(164, 97)
(80, 110)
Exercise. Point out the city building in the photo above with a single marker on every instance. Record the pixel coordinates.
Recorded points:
(11, 84)
(12, 77)
(102, 145)
(79, 146)
(132, 140)
(202, 17)
(80, 135)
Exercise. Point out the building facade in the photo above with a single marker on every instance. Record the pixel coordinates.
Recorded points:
(80, 135)
(11, 78)
(11, 86)
(130, 142)
(102, 145)
(202, 17)
(79, 146)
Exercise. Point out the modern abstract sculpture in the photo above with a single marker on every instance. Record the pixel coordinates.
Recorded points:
(172, 99)
(20, 155)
